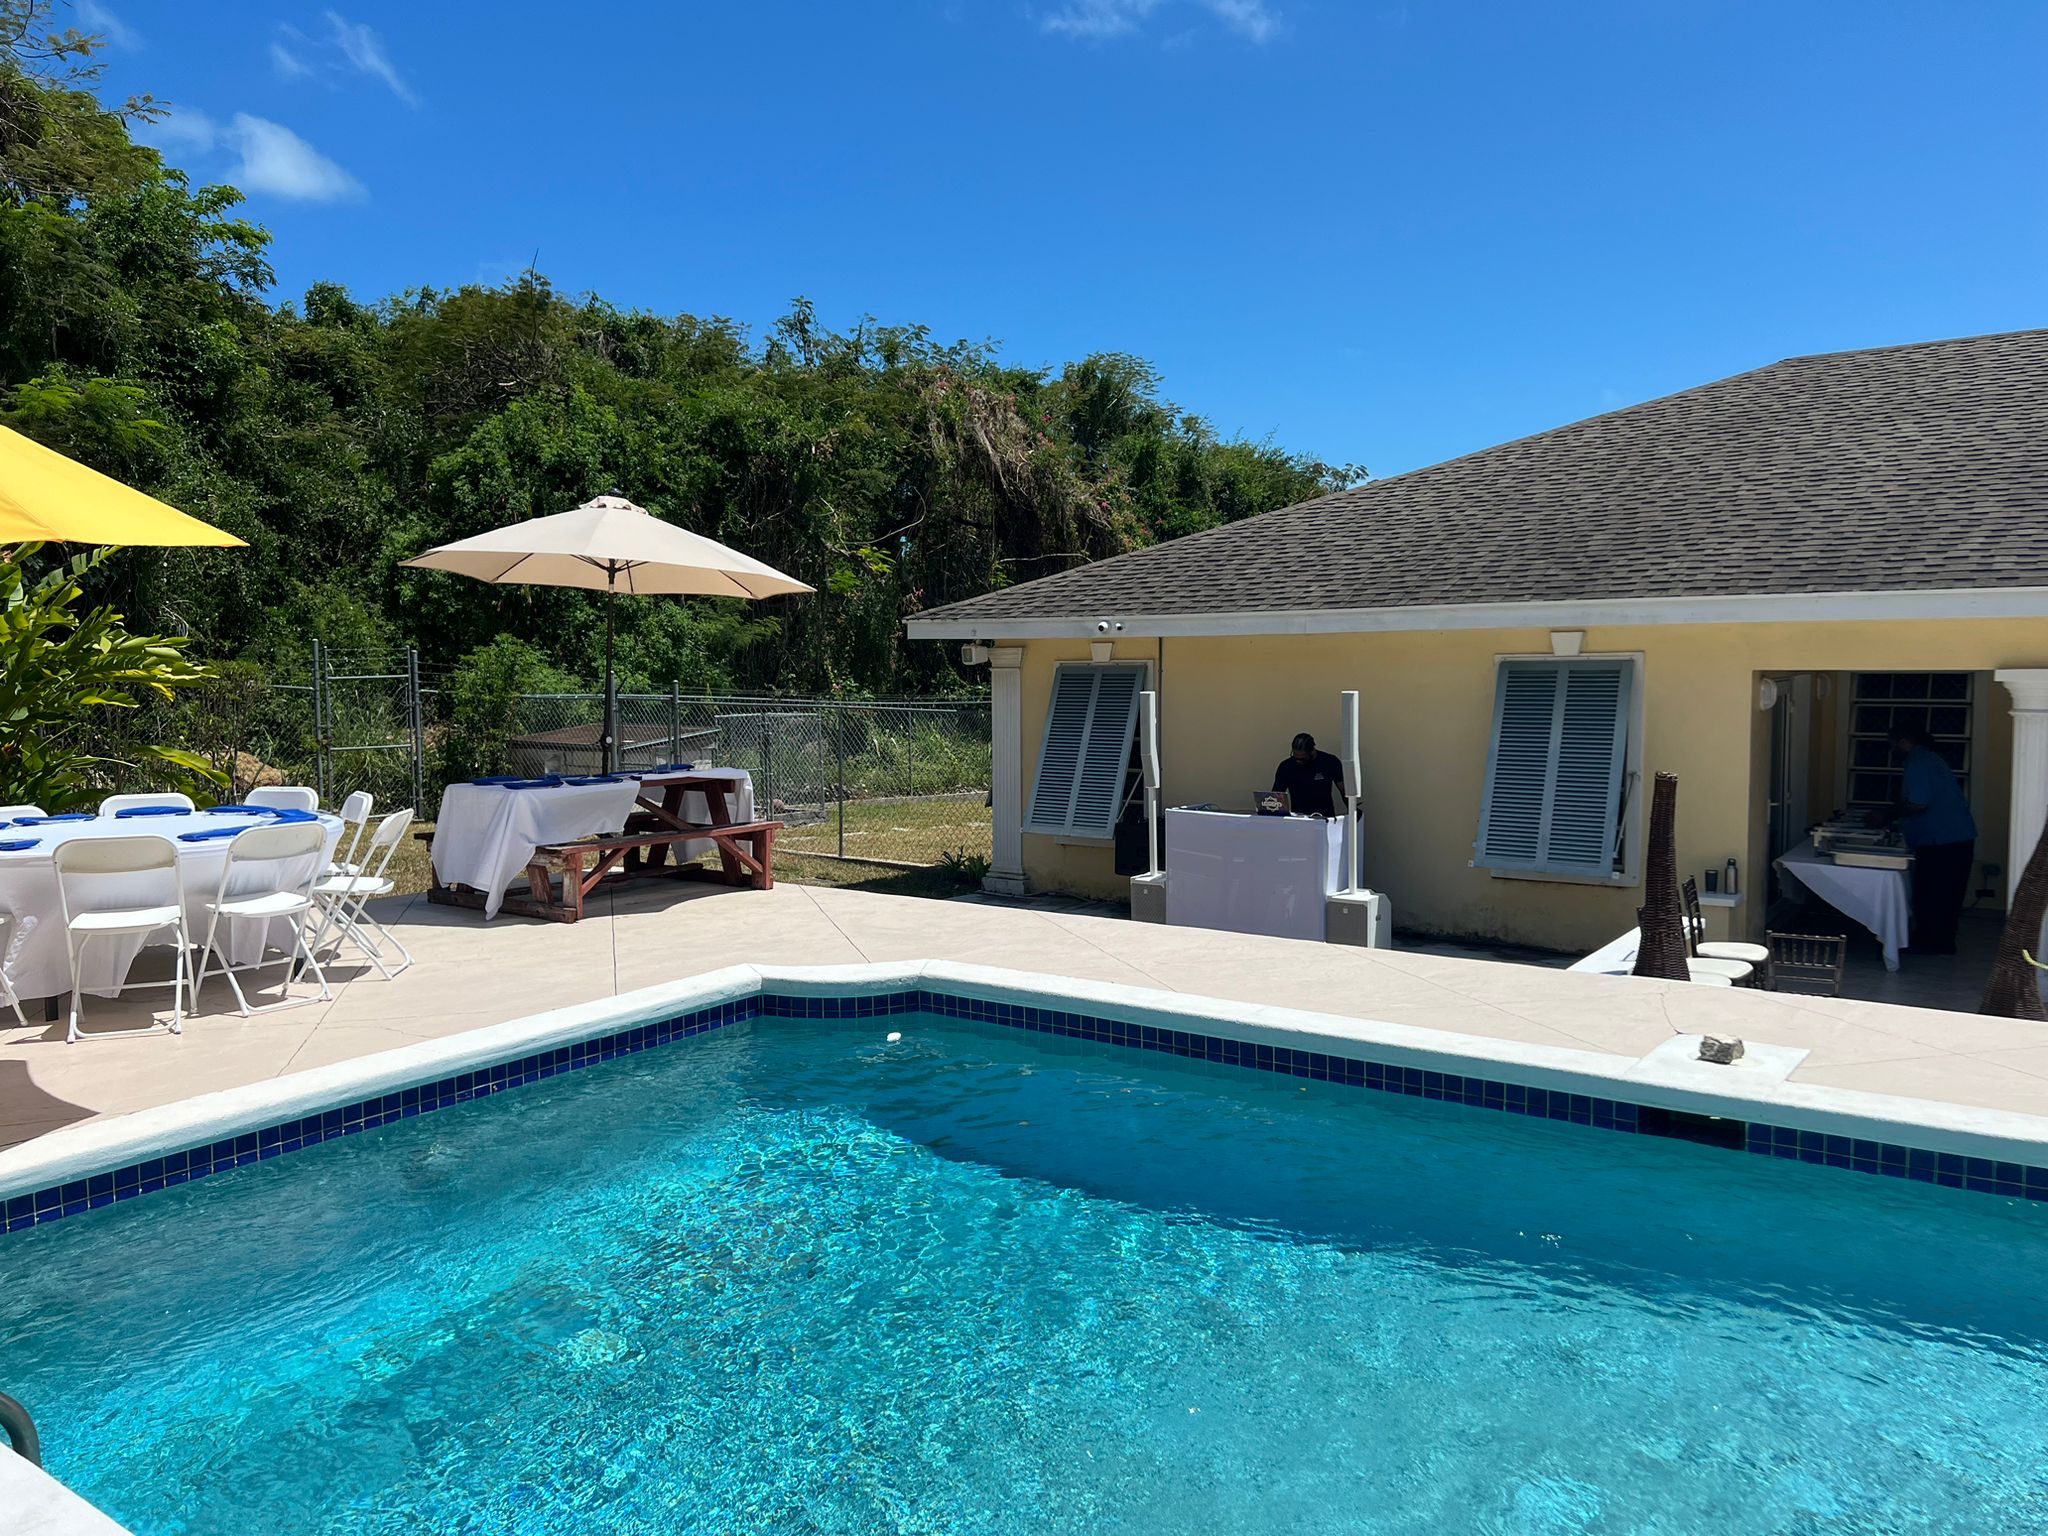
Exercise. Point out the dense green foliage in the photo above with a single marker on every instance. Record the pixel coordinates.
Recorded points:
(892, 471)
(64, 663)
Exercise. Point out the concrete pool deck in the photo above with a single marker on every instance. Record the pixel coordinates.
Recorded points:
(473, 974)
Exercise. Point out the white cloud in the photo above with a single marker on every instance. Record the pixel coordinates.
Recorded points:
(287, 63)
(1100, 18)
(1096, 19)
(268, 157)
(183, 132)
(364, 50)
(1253, 18)
(276, 160)
(98, 18)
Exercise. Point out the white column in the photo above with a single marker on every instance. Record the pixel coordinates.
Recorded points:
(2029, 689)
(1006, 780)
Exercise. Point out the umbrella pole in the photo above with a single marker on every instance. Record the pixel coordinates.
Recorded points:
(611, 687)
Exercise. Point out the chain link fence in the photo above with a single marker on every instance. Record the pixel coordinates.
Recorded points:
(893, 781)
(890, 781)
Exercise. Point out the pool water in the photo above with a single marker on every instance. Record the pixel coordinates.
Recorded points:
(794, 1277)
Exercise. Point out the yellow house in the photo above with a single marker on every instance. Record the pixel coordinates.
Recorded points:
(1746, 584)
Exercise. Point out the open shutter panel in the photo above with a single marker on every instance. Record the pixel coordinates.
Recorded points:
(1087, 752)
(1518, 769)
(1591, 749)
(1066, 727)
(1554, 775)
(1106, 757)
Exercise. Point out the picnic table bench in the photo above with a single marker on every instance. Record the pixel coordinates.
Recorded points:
(640, 851)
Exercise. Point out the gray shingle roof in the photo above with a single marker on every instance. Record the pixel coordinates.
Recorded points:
(1898, 469)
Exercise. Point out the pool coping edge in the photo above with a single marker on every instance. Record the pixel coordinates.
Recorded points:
(99, 1144)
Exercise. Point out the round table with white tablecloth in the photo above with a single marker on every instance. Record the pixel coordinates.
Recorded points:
(38, 960)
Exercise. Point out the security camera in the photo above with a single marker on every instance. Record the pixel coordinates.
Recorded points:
(1102, 626)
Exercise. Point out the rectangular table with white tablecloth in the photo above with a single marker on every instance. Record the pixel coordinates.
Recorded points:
(1880, 899)
(487, 833)
(38, 959)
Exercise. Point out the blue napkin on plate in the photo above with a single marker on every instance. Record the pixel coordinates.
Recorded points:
(241, 810)
(151, 810)
(16, 844)
(286, 815)
(597, 778)
(501, 778)
(42, 821)
(210, 834)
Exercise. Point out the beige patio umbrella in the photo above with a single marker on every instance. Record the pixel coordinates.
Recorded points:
(609, 545)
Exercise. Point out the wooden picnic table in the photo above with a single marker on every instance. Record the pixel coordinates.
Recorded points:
(640, 851)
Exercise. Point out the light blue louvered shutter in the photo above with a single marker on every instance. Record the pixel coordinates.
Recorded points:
(1106, 758)
(1087, 750)
(1554, 774)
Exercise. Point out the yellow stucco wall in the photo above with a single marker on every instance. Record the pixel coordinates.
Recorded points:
(1229, 706)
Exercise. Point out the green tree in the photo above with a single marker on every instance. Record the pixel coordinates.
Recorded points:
(483, 695)
(62, 667)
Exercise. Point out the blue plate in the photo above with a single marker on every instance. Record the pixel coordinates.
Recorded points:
(502, 778)
(44, 821)
(241, 810)
(151, 810)
(597, 778)
(17, 844)
(209, 836)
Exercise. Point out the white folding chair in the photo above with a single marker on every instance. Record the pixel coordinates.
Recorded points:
(9, 812)
(284, 797)
(344, 898)
(277, 900)
(114, 803)
(121, 887)
(355, 820)
(6, 982)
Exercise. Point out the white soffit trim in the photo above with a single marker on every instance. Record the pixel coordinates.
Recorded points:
(1771, 608)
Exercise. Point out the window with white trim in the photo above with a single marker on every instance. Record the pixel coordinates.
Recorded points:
(1084, 765)
(1557, 771)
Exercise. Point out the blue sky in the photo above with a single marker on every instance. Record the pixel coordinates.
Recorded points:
(1378, 233)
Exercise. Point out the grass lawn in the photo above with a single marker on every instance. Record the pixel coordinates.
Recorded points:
(911, 831)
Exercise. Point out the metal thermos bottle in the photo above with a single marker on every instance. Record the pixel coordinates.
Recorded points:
(1728, 885)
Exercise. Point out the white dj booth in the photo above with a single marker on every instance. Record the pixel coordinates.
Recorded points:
(1252, 874)
(1292, 877)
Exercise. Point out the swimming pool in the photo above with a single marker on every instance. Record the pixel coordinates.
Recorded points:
(791, 1274)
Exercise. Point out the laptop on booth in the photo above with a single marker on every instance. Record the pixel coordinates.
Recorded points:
(1270, 802)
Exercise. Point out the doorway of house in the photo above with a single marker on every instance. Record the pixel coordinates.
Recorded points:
(1791, 760)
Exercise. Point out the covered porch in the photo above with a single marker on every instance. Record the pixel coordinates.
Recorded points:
(1821, 751)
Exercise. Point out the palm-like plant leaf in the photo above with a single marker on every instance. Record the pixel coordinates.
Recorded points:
(59, 666)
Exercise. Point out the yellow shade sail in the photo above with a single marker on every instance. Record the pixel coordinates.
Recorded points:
(45, 496)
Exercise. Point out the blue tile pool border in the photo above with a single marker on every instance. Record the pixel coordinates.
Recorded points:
(1950, 1170)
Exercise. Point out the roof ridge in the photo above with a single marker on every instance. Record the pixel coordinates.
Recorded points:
(1913, 346)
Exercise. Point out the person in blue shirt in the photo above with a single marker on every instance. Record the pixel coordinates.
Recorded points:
(1935, 818)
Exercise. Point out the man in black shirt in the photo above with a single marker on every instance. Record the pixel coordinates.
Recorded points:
(1312, 779)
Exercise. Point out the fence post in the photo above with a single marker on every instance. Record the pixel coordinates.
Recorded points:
(320, 719)
(419, 729)
(675, 720)
(838, 719)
